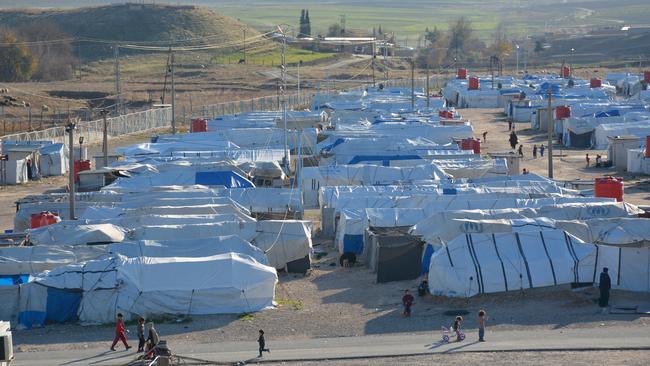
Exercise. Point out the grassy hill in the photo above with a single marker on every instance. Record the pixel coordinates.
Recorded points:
(152, 24)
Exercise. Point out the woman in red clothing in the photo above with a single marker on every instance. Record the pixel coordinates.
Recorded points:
(119, 332)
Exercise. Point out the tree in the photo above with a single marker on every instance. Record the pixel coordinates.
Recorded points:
(460, 33)
(55, 61)
(301, 28)
(501, 47)
(539, 46)
(433, 36)
(434, 54)
(16, 61)
(307, 24)
(334, 30)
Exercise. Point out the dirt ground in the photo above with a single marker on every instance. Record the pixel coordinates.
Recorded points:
(502, 358)
(568, 164)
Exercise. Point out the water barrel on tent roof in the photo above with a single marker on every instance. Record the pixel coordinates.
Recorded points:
(473, 83)
(446, 114)
(461, 73)
(646, 76)
(199, 125)
(562, 111)
(43, 218)
(647, 146)
(471, 144)
(609, 187)
(80, 166)
(595, 83)
(566, 72)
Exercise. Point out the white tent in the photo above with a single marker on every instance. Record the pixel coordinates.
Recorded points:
(64, 233)
(30, 259)
(629, 266)
(149, 287)
(190, 248)
(473, 264)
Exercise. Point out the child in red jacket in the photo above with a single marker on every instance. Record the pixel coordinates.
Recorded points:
(119, 332)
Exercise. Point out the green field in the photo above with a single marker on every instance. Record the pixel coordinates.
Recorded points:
(409, 18)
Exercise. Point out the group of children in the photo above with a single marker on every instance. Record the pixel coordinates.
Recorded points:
(120, 335)
(407, 303)
(481, 320)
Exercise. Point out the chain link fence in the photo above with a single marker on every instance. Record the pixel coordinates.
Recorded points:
(92, 131)
(269, 103)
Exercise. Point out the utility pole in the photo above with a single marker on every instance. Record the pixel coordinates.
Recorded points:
(299, 63)
(244, 30)
(412, 84)
(171, 70)
(104, 112)
(374, 56)
(70, 130)
(283, 89)
(549, 126)
(427, 86)
(118, 92)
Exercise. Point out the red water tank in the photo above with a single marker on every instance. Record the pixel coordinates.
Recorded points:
(647, 146)
(566, 72)
(461, 73)
(199, 125)
(473, 83)
(562, 111)
(595, 83)
(471, 144)
(609, 187)
(43, 218)
(80, 166)
(477, 146)
(646, 76)
(446, 114)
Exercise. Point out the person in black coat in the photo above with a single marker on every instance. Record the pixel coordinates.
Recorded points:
(605, 285)
(262, 343)
(513, 140)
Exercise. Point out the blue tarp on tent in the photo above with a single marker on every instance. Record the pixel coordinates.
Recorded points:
(385, 159)
(426, 258)
(12, 280)
(62, 305)
(353, 244)
(610, 113)
(228, 179)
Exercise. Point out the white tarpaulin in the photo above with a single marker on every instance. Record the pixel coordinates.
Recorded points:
(473, 264)
(570, 211)
(28, 260)
(149, 287)
(191, 248)
(64, 233)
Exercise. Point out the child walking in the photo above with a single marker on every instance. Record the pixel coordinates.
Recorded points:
(262, 343)
(141, 339)
(458, 324)
(482, 318)
(119, 332)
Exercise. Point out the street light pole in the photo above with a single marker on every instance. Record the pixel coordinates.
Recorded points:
(517, 46)
(244, 30)
(549, 126)
(173, 92)
(412, 84)
(71, 188)
(427, 91)
(104, 112)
